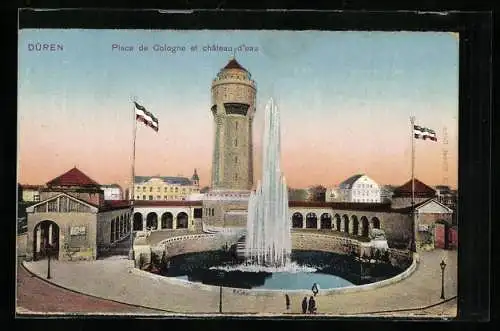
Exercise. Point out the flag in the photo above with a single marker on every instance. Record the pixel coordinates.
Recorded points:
(141, 114)
(420, 132)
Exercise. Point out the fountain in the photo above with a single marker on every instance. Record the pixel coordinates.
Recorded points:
(268, 240)
(265, 260)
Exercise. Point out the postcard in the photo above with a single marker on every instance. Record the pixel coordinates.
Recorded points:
(237, 172)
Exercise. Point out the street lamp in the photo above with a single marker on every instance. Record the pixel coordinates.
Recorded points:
(221, 276)
(48, 250)
(442, 265)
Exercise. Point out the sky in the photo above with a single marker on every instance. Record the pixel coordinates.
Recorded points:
(345, 100)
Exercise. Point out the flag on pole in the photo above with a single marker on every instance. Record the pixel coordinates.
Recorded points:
(420, 132)
(141, 114)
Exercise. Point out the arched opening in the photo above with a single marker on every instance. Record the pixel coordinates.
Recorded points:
(338, 222)
(311, 221)
(297, 220)
(364, 226)
(326, 221)
(137, 222)
(112, 232)
(355, 225)
(117, 228)
(182, 220)
(152, 221)
(376, 223)
(167, 220)
(122, 226)
(346, 223)
(45, 239)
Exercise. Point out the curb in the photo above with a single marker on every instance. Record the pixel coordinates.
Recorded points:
(90, 295)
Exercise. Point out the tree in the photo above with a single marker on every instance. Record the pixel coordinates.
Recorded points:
(317, 193)
(297, 194)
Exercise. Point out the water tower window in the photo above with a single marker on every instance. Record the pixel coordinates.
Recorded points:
(236, 125)
(236, 142)
(236, 160)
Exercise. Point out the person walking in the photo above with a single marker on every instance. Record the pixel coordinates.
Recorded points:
(287, 301)
(312, 305)
(304, 306)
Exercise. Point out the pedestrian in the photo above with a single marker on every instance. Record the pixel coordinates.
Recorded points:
(287, 301)
(304, 306)
(312, 305)
(315, 289)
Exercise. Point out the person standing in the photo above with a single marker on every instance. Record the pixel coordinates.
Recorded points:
(312, 305)
(287, 301)
(304, 306)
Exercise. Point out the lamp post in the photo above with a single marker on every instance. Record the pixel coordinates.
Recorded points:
(442, 265)
(221, 276)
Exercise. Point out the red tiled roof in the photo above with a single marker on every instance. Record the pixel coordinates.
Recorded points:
(233, 64)
(166, 203)
(421, 190)
(73, 177)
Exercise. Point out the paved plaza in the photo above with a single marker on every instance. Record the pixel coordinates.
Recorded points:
(113, 279)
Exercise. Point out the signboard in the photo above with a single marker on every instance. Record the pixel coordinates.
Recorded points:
(77, 230)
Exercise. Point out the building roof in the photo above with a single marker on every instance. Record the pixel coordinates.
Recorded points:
(421, 190)
(361, 206)
(233, 64)
(167, 203)
(30, 187)
(114, 204)
(111, 186)
(421, 204)
(167, 179)
(351, 180)
(73, 177)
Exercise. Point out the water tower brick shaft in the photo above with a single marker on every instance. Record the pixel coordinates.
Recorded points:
(233, 109)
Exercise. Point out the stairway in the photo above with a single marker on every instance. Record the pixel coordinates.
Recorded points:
(240, 247)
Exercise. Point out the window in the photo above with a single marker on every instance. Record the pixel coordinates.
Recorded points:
(236, 160)
(235, 176)
(236, 125)
(236, 142)
(138, 197)
(176, 189)
(150, 197)
(143, 197)
(158, 197)
(165, 197)
(165, 190)
(144, 189)
(36, 197)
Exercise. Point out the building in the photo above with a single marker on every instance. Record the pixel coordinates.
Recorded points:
(386, 192)
(333, 195)
(402, 196)
(446, 196)
(233, 108)
(112, 192)
(30, 193)
(359, 188)
(73, 220)
(165, 188)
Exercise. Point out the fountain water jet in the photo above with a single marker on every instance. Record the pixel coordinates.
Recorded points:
(268, 239)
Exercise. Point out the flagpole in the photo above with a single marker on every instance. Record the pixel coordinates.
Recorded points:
(132, 189)
(412, 122)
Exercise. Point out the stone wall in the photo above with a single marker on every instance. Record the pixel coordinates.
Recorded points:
(104, 227)
(21, 244)
(300, 241)
(69, 248)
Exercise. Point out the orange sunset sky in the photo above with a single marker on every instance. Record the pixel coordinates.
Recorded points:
(345, 100)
